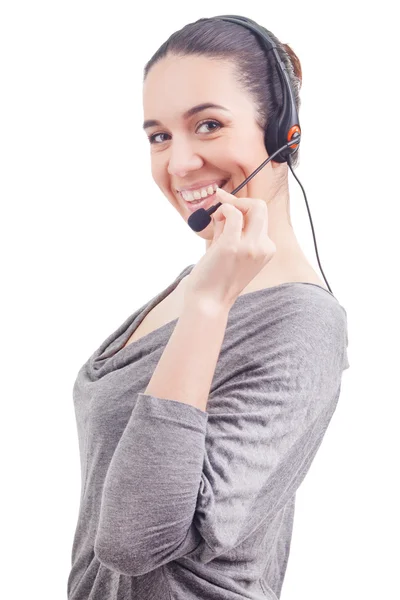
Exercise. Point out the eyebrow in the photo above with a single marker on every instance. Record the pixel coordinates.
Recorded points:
(189, 113)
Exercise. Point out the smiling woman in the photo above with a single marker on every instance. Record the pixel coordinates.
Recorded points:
(197, 426)
(208, 94)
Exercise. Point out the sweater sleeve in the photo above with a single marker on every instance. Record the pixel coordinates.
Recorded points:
(183, 482)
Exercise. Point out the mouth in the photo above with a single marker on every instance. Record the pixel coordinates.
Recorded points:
(204, 202)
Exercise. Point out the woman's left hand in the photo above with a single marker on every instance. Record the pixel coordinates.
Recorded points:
(239, 250)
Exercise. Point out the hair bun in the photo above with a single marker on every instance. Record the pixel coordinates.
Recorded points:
(295, 61)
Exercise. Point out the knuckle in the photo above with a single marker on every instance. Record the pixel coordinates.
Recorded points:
(250, 251)
(269, 248)
(260, 203)
(230, 249)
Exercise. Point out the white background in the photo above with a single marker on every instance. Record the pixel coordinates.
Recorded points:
(87, 238)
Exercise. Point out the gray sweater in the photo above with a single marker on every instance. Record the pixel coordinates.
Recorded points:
(178, 503)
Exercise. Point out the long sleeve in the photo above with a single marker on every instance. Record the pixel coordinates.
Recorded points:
(183, 482)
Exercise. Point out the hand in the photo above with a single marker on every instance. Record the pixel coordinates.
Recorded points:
(239, 250)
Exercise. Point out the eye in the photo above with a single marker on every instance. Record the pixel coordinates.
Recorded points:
(152, 137)
(213, 122)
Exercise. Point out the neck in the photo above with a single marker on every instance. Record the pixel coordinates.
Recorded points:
(288, 251)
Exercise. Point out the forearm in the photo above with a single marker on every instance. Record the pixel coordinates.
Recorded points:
(186, 368)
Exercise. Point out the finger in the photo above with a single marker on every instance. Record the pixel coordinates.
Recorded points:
(254, 210)
(242, 204)
(229, 222)
(218, 225)
(256, 226)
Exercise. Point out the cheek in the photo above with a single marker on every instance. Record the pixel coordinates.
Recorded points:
(155, 170)
(159, 171)
(244, 153)
(163, 181)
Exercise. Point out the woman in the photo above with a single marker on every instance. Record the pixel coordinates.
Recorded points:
(199, 417)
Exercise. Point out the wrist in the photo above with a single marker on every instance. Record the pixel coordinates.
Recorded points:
(207, 306)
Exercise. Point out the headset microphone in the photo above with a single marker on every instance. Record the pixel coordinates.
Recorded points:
(201, 217)
(282, 134)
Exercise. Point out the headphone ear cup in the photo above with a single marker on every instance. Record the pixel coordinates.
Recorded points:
(271, 141)
(278, 129)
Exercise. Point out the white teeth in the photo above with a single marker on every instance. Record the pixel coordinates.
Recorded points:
(190, 196)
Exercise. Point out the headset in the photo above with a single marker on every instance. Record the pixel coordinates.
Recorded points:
(282, 135)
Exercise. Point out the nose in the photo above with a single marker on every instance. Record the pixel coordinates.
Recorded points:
(183, 159)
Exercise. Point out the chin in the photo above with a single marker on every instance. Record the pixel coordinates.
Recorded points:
(207, 234)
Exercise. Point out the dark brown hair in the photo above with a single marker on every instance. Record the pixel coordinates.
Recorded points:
(255, 72)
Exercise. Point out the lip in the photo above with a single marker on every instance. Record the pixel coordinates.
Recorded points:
(200, 184)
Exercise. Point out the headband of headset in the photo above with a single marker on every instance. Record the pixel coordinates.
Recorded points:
(286, 127)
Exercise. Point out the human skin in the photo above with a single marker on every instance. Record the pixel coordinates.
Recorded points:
(187, 151)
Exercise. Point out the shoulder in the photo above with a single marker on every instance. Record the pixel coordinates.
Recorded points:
(299, 323)
(309, 316)
(292, 306)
